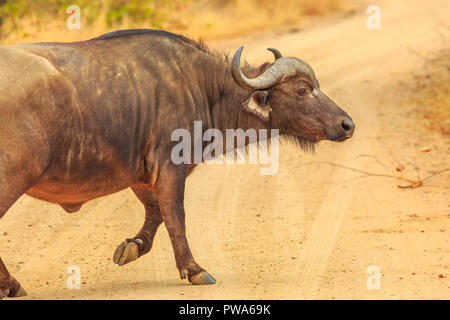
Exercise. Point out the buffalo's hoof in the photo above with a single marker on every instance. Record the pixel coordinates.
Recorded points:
(13, 293)
(11, 288)
(202, 278)
(20, 293)
(126, 252)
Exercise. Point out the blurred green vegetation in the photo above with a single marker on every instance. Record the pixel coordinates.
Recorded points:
(12, 11)
(210, 18)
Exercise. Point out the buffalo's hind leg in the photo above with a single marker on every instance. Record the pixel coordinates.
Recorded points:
(9, 193)
(24, 157)
(8, 285)
(133, 248)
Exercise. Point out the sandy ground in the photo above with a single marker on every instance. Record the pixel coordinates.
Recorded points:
(309, 232)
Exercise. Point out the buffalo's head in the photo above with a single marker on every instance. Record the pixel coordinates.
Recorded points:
(288, 95)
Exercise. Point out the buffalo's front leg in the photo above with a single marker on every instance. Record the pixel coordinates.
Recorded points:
(133, 248)
(170, 194)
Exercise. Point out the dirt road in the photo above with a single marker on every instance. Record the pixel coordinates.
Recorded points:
(309, 232)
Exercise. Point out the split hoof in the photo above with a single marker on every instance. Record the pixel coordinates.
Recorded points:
(20, 293)
(126, 252)
(13, 293)
(202, 278)
(184, 274)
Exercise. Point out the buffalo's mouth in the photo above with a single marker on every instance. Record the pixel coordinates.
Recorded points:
(343, 132)
(308, 138)
(341, 139)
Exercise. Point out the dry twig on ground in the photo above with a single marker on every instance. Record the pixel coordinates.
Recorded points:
(412, 183)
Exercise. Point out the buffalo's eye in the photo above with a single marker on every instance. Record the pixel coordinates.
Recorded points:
(301, 91)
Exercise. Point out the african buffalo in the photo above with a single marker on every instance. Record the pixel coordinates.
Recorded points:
(87, 119)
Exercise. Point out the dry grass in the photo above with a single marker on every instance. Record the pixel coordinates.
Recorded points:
(206, 19)
(433, 92)
(243, 17)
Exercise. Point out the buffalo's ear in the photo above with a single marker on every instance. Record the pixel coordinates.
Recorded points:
(257, 104)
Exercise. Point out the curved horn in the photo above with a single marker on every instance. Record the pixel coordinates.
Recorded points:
(276, 53)
(269, 78)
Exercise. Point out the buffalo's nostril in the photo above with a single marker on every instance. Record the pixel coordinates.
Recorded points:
(349, 126)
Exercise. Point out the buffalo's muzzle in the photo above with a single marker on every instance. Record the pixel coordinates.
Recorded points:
(344, 130)
(349, 127)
